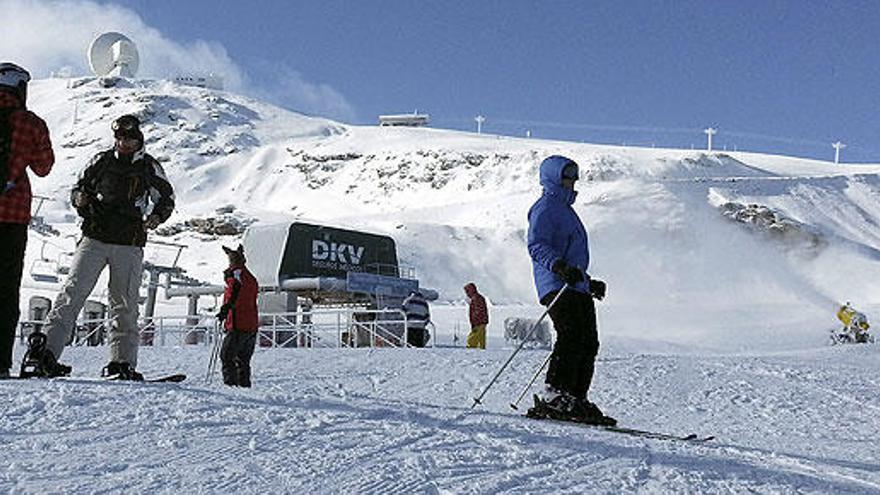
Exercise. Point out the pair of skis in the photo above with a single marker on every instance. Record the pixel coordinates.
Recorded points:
(540, 412)
(173, 378)
(691, 438)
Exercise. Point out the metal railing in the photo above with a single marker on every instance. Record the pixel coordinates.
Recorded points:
(340, 327)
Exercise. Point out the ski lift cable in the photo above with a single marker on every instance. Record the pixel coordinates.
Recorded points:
(600, 127)
(653, 129)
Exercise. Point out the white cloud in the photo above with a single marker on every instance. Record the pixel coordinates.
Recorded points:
(46, 36)
(285, 86)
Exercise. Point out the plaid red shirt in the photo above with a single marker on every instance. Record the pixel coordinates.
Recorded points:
(32, 148)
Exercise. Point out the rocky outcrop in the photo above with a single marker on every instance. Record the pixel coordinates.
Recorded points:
(226, 223)
(762, 219)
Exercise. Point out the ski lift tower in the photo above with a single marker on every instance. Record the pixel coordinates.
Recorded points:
(172, 271)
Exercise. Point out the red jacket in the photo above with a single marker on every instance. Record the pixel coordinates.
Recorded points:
(30, 148)
(240, 297)
(477, 311)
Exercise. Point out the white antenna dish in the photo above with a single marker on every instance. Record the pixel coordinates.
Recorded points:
(113, 54)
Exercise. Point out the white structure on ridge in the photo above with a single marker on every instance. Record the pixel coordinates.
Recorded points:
(414, 119)
(710, 131)
(480, 119)
(837, 147)
(113, 54)
(210, 81)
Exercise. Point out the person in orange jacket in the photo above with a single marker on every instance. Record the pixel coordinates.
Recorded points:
(239, 317)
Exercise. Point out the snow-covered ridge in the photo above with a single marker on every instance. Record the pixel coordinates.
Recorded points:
(709, 326)
(456, 202)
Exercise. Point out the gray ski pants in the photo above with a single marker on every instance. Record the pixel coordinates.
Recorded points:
(126, 270)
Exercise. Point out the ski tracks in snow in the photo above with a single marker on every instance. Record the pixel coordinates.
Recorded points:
(399, 421)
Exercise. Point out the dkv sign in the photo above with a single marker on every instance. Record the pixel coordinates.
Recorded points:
(340, 255)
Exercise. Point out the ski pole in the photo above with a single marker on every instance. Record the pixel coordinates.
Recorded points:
(525, 390)
(215, 354)
(478, 400)
(213, 335)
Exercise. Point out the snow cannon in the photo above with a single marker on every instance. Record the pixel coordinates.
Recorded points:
(852, 318)
(855, 326)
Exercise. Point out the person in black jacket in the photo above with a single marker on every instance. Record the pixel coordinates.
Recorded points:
(418, 315)
(121, 194)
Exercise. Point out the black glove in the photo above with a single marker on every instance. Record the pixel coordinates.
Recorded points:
(569, 274)
(223, 313)
(597, 288)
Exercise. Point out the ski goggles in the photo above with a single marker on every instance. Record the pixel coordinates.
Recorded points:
(571, 171)
(125, 123)
(13, 75)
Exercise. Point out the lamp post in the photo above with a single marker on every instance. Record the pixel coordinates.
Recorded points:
(480, 119)
(837, 147)
(710, 131)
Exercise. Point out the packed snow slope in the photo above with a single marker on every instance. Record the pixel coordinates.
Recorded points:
(398, 421)
(724, 271)
(679, 269)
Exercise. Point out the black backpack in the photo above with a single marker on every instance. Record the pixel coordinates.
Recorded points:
(5, 146)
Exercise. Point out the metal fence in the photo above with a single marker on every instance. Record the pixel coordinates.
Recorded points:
(344, 327)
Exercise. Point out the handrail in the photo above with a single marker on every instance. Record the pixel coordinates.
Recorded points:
(338, 327)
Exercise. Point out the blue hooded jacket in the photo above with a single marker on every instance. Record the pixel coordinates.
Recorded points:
(555, 231)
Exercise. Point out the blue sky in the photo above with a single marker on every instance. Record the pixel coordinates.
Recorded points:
(783, 77)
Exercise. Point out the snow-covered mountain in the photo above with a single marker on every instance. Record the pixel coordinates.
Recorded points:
(724, 272)
(660, 220)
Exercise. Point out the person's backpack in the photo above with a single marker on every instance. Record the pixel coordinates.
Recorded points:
(5, 146)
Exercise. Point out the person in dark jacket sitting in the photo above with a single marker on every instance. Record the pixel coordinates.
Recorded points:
(121, 194)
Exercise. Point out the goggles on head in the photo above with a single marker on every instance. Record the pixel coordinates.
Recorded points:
(570, 171)
(13, 75)
(125, 123)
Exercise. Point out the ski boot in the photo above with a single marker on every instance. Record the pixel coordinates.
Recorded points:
(4, 375)
(555, 405)
(539, 410)
(116, 370)
(40, 362)
(588, 412)
(565, 407)
(551, 403)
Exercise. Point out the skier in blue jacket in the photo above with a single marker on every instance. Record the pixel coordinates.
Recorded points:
(560, 254)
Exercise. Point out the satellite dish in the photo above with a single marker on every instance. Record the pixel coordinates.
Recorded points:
(113, 54)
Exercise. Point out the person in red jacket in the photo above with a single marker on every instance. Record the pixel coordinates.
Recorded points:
(479, 317)
(24, 143)
(239, 317)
